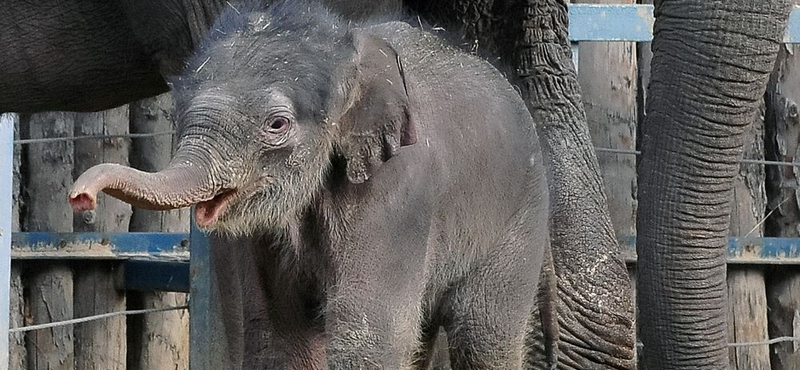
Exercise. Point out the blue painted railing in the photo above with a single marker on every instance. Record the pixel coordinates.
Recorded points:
(47, 245)
(589, 22)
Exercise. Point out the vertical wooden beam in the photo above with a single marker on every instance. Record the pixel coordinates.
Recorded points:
(783, 189)
(16, 347)
(17, 355)
(6, 175)
(47, 178)
(608, 79)
(747, 300)
(100, 345)
(644, 55)
(157, 341)
(783, 300)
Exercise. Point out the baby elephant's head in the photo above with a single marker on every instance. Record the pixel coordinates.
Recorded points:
(271, 99)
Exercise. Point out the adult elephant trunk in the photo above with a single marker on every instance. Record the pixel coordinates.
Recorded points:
(183, 183)
(711, 62)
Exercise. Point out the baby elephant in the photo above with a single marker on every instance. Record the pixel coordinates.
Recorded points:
(363, 185)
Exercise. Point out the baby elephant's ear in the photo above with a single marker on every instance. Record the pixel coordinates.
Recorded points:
(378, 121)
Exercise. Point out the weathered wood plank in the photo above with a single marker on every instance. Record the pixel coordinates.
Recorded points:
(100, 345)
(783, 143)
(644, 56)
(607, 76)
(46, 179)
(747, 302)
(50, 300)
(111, 215)
(783, 299)
(17, 356)
(747, 318)
(159, 341)
(16, 180)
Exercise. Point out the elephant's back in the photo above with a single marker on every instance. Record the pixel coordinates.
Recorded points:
(476, 141)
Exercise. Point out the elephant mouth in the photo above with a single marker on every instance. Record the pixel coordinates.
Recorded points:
(207, 213)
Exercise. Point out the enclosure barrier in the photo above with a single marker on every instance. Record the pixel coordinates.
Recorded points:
(161, 261)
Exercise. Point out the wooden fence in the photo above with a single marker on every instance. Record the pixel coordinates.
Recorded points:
(764, 299)
(58, 288)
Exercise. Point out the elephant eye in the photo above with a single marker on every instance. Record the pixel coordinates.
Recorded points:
(278, 124)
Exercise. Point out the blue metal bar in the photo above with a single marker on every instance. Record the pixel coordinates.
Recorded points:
(209, 348)
(154, 276)
(793, 27)
(751, 251)
(6, 176)
(591, 22)
(47, 245)
(174, 247)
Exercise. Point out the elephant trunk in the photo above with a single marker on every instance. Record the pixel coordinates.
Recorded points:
(174, 187)
(704, 93)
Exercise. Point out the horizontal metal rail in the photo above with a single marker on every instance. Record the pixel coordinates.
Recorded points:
(174, 247)
(743, 251)
(47, 245)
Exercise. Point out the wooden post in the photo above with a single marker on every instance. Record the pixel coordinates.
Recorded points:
(644, 55)
(16, 348)
(607, 76)
(747, 301)
(157, 341)
(17, 355)
(47, 178)
(100, 345)
(783, 189)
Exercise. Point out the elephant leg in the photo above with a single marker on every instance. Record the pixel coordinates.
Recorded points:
(372, 331)
(288, 339)
(487, 314)
(262, 310)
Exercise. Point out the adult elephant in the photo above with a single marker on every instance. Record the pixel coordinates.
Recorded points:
(95, 55)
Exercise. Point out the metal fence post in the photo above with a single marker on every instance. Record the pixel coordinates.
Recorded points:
(207, 344)
(6, 176)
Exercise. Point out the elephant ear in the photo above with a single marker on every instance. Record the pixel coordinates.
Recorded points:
(378, 121)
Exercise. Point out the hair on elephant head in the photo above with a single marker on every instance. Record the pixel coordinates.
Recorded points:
(270, 100)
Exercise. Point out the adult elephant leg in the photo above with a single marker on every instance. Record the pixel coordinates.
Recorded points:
(711, 62)
(593, 301)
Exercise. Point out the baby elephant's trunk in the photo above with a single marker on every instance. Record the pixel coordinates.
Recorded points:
(176, 186)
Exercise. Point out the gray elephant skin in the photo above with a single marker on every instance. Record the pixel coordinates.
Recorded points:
(362, 186)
